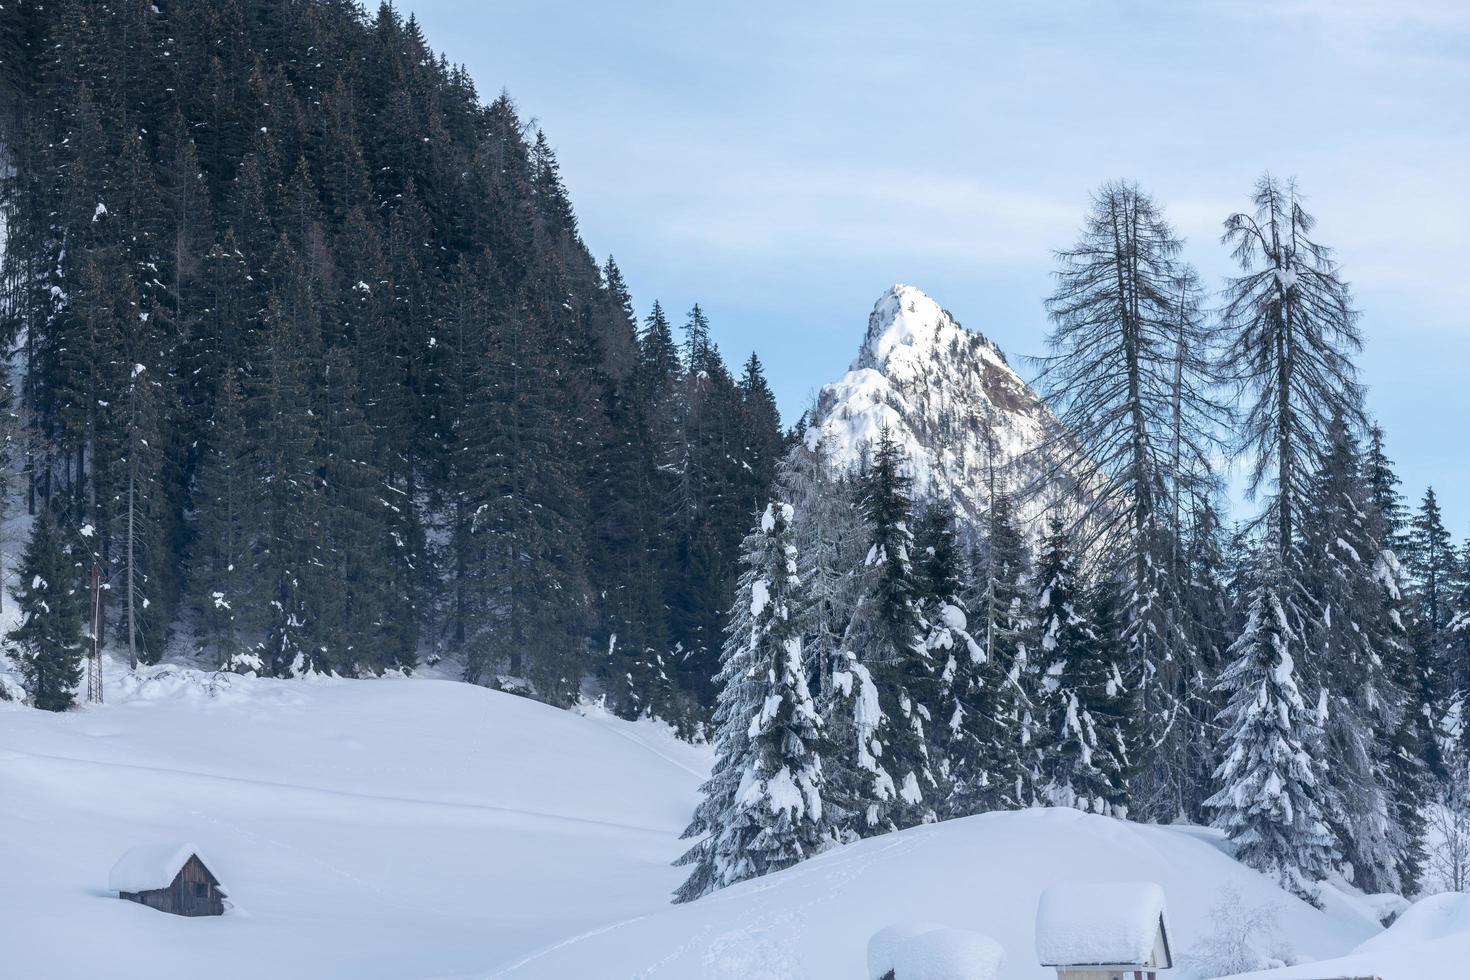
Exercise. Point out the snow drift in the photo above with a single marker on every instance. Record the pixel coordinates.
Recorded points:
(1431, 940)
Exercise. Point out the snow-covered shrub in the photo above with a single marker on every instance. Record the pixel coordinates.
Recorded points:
(11, 689)
(1243, 939)
(1449, 833)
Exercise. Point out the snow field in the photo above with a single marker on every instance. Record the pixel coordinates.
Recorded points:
(412, 828)
(383, 829)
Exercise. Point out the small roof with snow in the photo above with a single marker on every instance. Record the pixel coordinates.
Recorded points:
(1115, 924)
(150, 866)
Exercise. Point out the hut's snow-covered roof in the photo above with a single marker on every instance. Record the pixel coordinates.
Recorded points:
(149, 866)
(1100, 923)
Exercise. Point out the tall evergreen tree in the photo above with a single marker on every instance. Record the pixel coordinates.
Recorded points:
(47, 642)
(222, 556)
(1130, 368)
(1270, 801)
(1291, 329)
(527, 511)
(999, 706)
(1383, 489)
(760, 442)
(1459, 644)
(1209, 627)
(763, 808)
(831, 540)
(888, 630)
(284, 457)
(1433, 565)
(1080, 759)
(941, 580)
(1353, 639)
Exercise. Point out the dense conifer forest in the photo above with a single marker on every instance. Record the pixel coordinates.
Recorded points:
(307, 354)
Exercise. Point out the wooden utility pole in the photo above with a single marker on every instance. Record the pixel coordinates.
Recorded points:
(94, 645)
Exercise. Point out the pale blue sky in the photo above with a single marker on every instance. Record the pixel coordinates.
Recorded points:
(782, 164)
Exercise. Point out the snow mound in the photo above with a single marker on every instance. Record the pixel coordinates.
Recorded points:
(984, 874)
(1092, 923)
(884, 944)
(149, 866)
(948, 954)
(1428, 920)
(1430, 940)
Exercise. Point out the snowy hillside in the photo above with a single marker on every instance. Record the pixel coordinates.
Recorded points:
(392, 829)
(947, 394)
(418, 828)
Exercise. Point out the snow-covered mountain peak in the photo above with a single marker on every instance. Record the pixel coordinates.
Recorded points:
(906, 326)
(947, 395)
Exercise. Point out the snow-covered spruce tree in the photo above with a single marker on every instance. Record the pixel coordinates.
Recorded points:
(1383, 491)
(47, 642)
(1270, 798)
(887, 634)
(763, 805)
(1291, 330)
(1459, 648)
(1112, 706)
(1080, 762)
(221, 557)
(1208, 627)
(1131, 372)
(1406, 769)
(942, 578)
(860, 788)
(1352, 636)
(998, 706)
(283, 445)
(1433, 565)
(831, 540)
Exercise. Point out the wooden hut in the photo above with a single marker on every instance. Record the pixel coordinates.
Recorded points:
(1103, 931)
(168, 877)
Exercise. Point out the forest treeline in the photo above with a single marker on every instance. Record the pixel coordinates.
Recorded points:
(1298, 680)
(307, 354)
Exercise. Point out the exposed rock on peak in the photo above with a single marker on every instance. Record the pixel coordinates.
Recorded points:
(949, 397)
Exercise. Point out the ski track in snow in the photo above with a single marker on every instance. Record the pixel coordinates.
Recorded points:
(641, 743)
